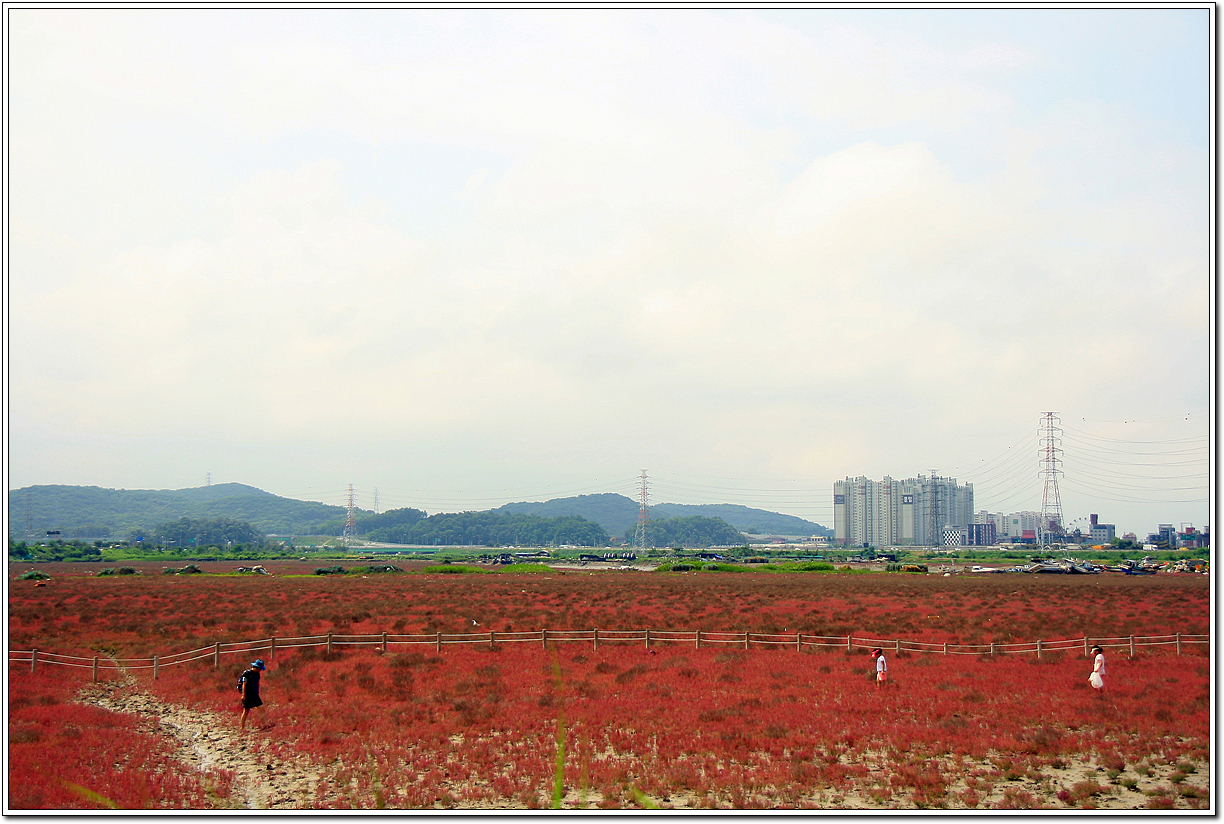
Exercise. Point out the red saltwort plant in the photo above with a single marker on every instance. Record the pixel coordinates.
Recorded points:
(470, 725)
(68, 755)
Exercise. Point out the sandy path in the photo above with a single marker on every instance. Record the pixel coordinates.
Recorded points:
(207, 741)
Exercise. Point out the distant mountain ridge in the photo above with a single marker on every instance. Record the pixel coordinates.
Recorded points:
(617, 513)
(92, 512)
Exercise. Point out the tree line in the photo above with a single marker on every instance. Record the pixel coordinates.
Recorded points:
(491, 529)
(693, 531)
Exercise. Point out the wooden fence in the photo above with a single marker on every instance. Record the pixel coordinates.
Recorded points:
(697, 639)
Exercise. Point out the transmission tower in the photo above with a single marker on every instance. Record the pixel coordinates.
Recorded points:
(936, 526)
(1051, 505)
(639, 539)
(350, 523)
(375, 500)
(208, 479)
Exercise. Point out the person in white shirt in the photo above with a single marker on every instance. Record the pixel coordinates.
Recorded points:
(881, 667)
(1097, 679)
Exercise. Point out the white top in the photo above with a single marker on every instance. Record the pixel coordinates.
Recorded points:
(1098, 663)
(880, 665)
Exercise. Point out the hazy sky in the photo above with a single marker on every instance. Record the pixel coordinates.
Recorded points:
(472, 257)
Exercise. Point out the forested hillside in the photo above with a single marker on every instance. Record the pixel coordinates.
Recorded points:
(745, 519)
(617, 513)
(493, 528)
(95, 513)
(369, 522)
(693, 531)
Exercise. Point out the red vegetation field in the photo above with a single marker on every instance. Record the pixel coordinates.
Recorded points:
(470, 726)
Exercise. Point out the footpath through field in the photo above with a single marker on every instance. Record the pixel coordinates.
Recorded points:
(205, 740)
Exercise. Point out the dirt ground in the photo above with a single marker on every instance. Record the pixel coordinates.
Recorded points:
(205, 740)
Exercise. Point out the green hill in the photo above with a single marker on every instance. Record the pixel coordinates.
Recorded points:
(92, 512)
(746, 519)
(617, 513)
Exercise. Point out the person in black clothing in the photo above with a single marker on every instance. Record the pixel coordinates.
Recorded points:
(248, 685)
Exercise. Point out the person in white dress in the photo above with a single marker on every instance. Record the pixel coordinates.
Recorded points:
(1097, 679)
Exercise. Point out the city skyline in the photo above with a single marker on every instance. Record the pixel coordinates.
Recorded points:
(470, 257)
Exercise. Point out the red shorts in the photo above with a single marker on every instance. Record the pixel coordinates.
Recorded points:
(882, 676)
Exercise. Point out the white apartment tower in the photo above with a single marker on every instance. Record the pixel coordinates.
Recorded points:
(891, 512)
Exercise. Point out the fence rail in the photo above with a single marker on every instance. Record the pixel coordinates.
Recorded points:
(648, 637)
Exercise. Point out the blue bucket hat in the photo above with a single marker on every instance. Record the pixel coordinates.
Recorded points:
(258, 664)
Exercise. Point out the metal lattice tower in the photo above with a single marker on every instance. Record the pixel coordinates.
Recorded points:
(208, 479)
(639, 539)
(375, 500)
(350, 522)
(1051, 505)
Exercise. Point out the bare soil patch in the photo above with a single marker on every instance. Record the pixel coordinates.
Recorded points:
(204, 741)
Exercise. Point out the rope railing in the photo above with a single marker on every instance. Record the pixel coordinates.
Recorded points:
(648, 637)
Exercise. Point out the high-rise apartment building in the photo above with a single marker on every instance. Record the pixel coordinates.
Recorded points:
(891, 512)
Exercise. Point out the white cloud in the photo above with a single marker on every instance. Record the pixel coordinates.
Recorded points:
(700, 239)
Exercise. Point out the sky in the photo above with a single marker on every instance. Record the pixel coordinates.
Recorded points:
(457, 258)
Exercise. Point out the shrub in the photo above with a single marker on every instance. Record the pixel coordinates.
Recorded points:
(331, 570)
(34, 575)
(526, 568)
(448, 568)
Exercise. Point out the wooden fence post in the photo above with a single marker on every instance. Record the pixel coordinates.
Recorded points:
(34, 660)
(1039, 648)
(543, 639)
(329, 643)
(1085, 646)
(849, 649)
(1132, 646)
(992, 649)
(95, 669)
(438, 642)
(272, 649)
(384, 643)
(1178, 637)
(945, 648)
(697, 640)
(898, 649)
(799, 642)
(647, 639)
(216, 655)
(156, 668)
(745, 640)
(595, 639)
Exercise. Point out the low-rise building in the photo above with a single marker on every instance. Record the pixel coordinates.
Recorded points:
(1099, 533)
